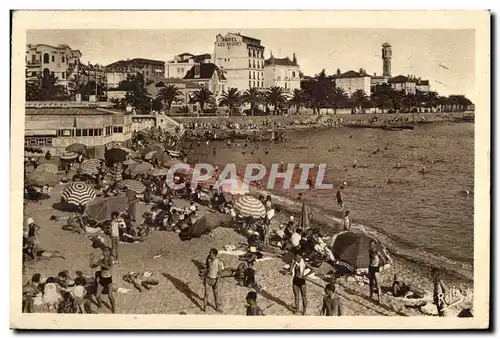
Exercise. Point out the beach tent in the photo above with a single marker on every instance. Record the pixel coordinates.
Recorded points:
(205, 224)
(248, 206)
(351, 249)
(100, 210)
(78, 193)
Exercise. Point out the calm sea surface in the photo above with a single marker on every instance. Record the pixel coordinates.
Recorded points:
(430, 212)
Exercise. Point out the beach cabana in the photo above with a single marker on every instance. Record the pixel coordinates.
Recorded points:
(351, 250)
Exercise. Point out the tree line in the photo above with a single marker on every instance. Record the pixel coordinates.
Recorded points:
(316, 93)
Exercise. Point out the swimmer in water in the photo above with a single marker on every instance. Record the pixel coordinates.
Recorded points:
(215, 151)
(266, 151)
(423, 170)
(354, 164)
(398, 165)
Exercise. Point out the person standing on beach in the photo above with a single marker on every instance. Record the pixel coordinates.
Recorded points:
(252, 308)
(213, 270)
(439, 293)
(115, 233)
(340, 198)
(132, 201)
(104, 280)
(374, 270)
(299, 282)
(347, 222)
(332, 305)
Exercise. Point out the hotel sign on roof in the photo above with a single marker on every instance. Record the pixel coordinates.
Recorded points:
(229, 42)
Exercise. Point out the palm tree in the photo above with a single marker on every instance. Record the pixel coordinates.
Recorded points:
(298, 98)
(382, 96)
(168, 94)
(276, 97)
(253, 97)
(337, 97)
(231, 99)
(45, 88)
(359, 99)
(202, 97)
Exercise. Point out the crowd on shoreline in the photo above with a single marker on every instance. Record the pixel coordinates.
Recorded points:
(138, 177)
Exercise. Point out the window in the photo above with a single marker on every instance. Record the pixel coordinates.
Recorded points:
(250, 74)
(46, 58)
(78, 132)
(249, 84)
(117, 129)
(85, 132)
(91, 132)
(286, 84)
(63, 59)
(38, 141)
(53, 58)
(293, 74)
(33, 74)
(63, 75)
(33, 58)
(249, 63)
(249, 53)
(254, 74)
(254, 83)
(254, 64)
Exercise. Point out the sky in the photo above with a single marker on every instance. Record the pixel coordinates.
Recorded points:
(418, 52)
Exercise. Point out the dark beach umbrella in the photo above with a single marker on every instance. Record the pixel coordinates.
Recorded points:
(352, 249)
(100, 210)
(78, 193)
(43, 178)
(205, 224)
(76, 148)
(133, 185)
(116, 155)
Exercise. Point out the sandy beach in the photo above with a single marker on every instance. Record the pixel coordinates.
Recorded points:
(175, 264)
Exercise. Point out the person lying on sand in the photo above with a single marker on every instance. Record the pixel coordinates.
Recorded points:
(141, 280)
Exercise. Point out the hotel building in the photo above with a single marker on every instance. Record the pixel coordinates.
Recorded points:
(351, 81)
(118, 71)
(182, 63)
(241, 59)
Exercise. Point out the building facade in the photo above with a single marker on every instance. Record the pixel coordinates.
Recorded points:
(182, 63)
(351, 81)
(423, 85)
(60, 61)
(408, 84)
(241, 59)
(186, 87)
(284, 73)
(118, 71)
(54, 126)
(208, 76)
(386, 59)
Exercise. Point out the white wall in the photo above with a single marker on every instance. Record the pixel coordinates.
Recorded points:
(286, 77)
(351, 85)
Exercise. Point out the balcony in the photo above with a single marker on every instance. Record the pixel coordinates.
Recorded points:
(34, 63)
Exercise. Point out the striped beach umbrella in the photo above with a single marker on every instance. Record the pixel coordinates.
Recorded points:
(113, 175)
(248, 206)
(133, 185)
(69, 156)
(78, 193)
(90, 166)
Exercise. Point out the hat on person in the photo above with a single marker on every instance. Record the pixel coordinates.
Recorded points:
(291, 218)
(71, 282)
(30, 220)
(253, 249)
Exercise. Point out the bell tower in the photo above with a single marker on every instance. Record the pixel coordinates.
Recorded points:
(386, 59)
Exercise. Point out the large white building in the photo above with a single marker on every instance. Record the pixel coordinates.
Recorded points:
(60, 61)
(284, 73)
(182, 63)
(241, 59)
(351, 81)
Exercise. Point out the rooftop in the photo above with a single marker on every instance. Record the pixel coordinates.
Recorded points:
(353, 74)
(280, 61)
(67, 111)
(135, 61)
(67, 104)
(206, 72)
(401, 79)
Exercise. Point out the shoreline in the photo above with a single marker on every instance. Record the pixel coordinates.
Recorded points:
(329, 223)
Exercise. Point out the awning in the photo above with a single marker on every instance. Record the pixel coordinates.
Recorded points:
(44, 132)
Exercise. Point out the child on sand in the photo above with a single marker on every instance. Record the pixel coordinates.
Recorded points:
(252, 308)
(332, 305)
(79, 293)
(213, 270)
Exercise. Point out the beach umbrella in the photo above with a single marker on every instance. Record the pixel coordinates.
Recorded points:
(77, 148)
(43, 178)
(248, 206)
(352, 249)
(49, 168)
(157, 172)
(90, 166)
(128, 150)
(304, 217)
(185, 172)
(129, 162)
(205, 224)
(149, 155)
(157, 147)
(234, 187)
(142, 167)
(116, 155)
(133, 185)
(113, 175)
(33, 149)
(68, 156)
(101, 209)
(171, 162)
(78, 193)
